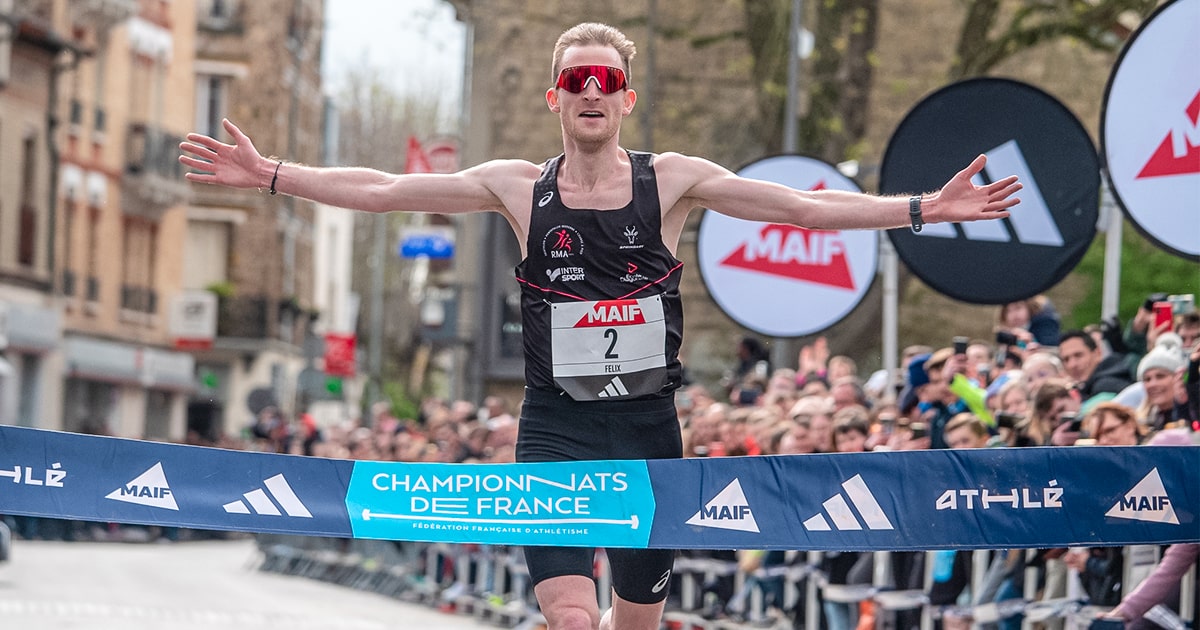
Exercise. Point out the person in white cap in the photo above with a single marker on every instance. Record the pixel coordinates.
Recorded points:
(1161, 374)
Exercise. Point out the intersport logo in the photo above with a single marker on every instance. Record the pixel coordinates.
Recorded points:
(1032, 224)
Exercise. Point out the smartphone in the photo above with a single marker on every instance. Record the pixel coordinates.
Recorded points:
(960, 345)
(919, 430)
(1006, 420)
(1163, 312)
(1076, 422)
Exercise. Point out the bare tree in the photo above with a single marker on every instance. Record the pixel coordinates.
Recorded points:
(375, 124)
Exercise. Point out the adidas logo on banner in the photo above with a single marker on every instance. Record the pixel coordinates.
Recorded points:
(841, 514)
(1147, 501)
(149, 488)
(728, 510)
(261, 504)
(1033, 225)
(614, 388)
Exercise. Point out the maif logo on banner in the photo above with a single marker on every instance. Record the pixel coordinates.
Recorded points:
(783, 280)
(1024, 132)
(1150, 128)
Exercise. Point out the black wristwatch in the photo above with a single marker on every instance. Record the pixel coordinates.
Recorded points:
(914, 213)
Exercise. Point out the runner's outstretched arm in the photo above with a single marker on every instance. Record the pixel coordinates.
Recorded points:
(715, 187)
(240, 165)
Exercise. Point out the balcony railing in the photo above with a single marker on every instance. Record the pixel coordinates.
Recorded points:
(138, 299)
(246, 317)
(153, 174)
(102, 14)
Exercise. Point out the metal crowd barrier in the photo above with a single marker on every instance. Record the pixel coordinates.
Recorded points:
(491, 584)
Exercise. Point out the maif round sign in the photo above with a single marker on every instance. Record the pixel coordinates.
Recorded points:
(782, 280)
(1150, 128)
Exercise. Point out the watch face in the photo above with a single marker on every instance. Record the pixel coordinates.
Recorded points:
(1024, 132)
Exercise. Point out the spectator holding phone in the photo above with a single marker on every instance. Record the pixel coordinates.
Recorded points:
(1055, 407)
(946, 391)
(1154, 317)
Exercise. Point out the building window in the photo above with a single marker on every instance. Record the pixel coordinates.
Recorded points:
(27, 226)
(70, 226)
(218, 15)
(207, 252)
(93, 255)
(211, 97)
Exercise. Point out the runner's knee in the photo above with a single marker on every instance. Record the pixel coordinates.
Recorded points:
(571, 617)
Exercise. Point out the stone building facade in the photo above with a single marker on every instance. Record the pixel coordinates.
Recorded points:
(102, 241)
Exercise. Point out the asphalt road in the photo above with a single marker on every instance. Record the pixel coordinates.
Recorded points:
(185, 586)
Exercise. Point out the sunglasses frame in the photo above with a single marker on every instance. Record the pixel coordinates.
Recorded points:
(594, 72)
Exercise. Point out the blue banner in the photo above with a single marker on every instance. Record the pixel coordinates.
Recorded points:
(915, 500)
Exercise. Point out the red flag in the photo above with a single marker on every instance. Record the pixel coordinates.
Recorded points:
(416, 161)
(339, 354)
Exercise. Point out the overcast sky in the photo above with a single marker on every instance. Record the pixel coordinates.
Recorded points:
(416, 45)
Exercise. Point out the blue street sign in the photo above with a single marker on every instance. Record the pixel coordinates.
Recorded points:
(430, 245)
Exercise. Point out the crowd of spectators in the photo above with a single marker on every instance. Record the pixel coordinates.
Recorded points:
(1034, 385)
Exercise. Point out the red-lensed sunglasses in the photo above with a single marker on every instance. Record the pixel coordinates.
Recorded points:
(575, 78)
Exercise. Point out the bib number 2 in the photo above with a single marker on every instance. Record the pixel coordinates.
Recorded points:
(609, 349)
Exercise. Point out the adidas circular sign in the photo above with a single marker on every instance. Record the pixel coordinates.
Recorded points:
(1150, 129)
(783, 280)
(1024, 132)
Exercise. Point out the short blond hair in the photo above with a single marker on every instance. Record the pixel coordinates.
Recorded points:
(593, 34)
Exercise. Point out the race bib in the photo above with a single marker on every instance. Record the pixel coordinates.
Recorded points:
(609, 349)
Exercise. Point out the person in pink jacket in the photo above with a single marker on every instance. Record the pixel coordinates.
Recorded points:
(1160, 585)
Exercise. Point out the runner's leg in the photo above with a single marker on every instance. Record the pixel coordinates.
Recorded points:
(568, 602)
(626, 615)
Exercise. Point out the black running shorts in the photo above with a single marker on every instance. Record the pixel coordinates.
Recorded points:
(555, 428)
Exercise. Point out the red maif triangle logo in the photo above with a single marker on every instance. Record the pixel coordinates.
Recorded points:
(1166, 160)
(795, 253)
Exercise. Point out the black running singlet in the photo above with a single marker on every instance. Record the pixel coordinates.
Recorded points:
(600, 308)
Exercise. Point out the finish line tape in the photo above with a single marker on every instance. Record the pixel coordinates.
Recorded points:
(914, 500)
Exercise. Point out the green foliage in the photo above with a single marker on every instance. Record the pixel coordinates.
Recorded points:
(1145, 269)
(403, 407)
(223, 289)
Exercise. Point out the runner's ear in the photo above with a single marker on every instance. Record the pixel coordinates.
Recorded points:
(552, 100)
(630, 100)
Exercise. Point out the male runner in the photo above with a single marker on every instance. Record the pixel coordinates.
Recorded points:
(598, 228)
